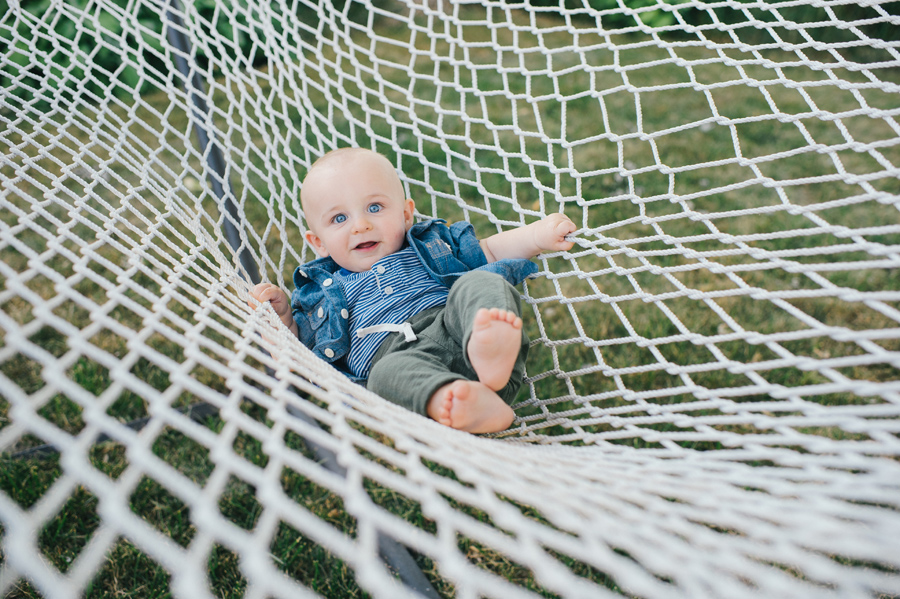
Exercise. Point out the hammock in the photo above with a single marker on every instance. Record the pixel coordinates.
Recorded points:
(712, 394)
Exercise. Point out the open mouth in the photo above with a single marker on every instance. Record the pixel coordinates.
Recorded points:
(368, 245)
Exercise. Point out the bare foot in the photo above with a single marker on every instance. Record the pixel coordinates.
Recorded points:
(470, 406)
(494, 345)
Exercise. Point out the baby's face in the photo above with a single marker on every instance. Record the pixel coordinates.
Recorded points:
(355, 210)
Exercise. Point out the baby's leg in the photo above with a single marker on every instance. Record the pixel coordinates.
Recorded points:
(494, 345)
(409, 377)
(483, 316)
(470, 406)
(419, 380)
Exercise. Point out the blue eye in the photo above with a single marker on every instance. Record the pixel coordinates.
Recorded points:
(339, 218)
(373, 208)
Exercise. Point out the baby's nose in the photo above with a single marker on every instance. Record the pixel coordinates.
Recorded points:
(361, 224)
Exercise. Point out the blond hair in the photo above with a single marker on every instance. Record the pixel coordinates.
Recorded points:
(348, 152)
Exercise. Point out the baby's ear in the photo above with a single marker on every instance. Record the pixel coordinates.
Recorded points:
(317, 244)
(409, 212)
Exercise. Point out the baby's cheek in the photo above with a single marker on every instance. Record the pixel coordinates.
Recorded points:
(397, 241)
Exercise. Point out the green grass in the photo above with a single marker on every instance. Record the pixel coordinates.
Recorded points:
(625, 207)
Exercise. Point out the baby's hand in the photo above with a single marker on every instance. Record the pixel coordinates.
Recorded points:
(281, 303)
(550, 233)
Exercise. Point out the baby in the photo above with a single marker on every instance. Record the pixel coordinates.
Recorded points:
(426, 314)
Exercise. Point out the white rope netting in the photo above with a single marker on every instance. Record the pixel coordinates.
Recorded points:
(712, 397)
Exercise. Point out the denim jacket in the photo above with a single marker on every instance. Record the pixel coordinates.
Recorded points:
(320, 308)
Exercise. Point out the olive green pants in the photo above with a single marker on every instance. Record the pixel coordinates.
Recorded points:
(409, 372)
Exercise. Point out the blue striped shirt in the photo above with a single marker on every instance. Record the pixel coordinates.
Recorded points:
(396, 288)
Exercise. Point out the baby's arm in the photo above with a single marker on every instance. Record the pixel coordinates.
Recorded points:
(530, 240)
(281, 303)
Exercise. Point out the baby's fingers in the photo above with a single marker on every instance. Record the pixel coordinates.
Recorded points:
(265, 292)
(258, 291)
(562, 229)
(565, 227)
(254, 295)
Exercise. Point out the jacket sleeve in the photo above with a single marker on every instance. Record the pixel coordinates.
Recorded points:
(304, 300)
(465, 245)
(467, 249)
(319, 309)
(449, 252)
